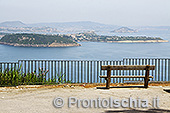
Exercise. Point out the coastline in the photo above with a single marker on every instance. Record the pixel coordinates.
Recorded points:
(76, 44)
(139, 41)
(41, 45)
(132, 41)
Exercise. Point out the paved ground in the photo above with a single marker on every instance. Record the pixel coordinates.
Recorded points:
(40, 100)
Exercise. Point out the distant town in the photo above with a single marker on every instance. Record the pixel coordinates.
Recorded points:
(91, 36)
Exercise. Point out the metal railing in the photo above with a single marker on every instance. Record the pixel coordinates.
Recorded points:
(88, 71)
(8, 65)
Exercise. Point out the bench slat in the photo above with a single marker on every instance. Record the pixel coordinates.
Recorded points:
(125, 76)
(128, 67)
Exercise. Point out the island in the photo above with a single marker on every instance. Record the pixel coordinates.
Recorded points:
(69, 40)
(124, 30)
(38, 40)
(91, 36)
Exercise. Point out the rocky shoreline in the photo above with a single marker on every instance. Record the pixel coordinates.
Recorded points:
(41, 45)
(131, 41)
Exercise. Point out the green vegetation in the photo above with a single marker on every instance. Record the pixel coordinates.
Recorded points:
(3, 33)
(14, 77)
(36, 39)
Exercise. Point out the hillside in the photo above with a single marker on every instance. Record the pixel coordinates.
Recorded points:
(37, 40)
(12, 24)
(124, 30)
(79, 26)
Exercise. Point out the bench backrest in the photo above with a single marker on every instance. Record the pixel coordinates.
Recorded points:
(128, 67)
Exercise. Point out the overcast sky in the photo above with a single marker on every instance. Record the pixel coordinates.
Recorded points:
(116, 12)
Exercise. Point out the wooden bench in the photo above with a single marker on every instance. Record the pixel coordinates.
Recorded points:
(127, 67)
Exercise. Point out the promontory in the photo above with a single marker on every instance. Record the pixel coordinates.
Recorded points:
(38, 40)
(93, 37)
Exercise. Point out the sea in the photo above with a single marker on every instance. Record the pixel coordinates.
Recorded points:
(94, 50)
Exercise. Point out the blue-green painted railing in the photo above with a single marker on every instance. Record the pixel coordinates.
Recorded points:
(88, 71)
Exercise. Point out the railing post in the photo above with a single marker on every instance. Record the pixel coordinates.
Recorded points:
(108, 77)
(168, 69)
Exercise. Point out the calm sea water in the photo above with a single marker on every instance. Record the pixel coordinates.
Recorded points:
(93, 50)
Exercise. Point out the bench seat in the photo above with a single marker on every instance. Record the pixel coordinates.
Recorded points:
(125, 76)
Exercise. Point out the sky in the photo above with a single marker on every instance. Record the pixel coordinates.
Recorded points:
(114, 12)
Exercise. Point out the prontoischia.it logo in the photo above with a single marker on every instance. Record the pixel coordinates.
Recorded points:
(105, 103)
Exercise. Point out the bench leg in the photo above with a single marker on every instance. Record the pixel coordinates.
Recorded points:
(145, 83)
(108, 79)
(146, 79)
(108, 83)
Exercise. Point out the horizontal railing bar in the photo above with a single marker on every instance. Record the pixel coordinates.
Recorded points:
(8, 62)
(145, 58)
(65, 60)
